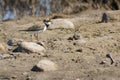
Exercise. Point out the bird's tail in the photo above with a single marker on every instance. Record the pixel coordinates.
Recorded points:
(23, 30)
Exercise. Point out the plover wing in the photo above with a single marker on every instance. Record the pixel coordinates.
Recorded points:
(35, 28)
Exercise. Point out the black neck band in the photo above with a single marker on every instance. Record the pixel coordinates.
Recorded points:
(47, 25)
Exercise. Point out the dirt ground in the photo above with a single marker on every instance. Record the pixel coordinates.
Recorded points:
(76, 61)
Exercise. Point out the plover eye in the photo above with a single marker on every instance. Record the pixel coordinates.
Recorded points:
(44, 20)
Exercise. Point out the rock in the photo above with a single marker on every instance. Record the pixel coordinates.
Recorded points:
(14, 77)
(30, 47)
(45, 65)
(104, 18)
(5, 55)
(79, 50)
(103, 62)
(62, 23)
(79, 42)
(70, 38)
(10, 42)
(29, 78)
(74, 37)
(14, 41)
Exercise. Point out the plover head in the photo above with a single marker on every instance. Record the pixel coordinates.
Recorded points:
(47, 22)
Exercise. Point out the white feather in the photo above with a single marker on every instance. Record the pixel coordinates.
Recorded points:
(45, 28)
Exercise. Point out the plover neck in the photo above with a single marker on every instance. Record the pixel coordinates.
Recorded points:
(44, 29)
(47, 25)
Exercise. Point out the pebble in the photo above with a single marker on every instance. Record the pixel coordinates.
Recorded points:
(14, 41)
(5, 56)
(25, 73)
(45, 65)
(79, 50)
(29, 78)
(79, 42)
(76, 37)
(102, 62)
(14, 77)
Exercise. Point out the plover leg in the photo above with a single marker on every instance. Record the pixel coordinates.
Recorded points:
(31, 36)
(37, 37)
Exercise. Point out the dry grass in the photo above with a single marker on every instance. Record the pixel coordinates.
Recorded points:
(75, 61)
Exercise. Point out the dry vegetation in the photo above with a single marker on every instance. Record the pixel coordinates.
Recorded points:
(61, 6)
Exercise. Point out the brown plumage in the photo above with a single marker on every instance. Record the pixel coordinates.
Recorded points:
(35, 28)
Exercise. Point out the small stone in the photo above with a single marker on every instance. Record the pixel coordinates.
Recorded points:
(79, 50)
(30, 47)
(73, 59)
(14, 77)
(76, 37)
(70, 38)
(29, 78)
(102, 62)
(6, 56)
(45, 65)
(104, 18)
(1, 57)
(10, 42)
(14, 41)
(25, 73)
(46, 55)
(79, 42)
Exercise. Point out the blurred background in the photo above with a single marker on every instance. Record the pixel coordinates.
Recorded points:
(11, 9)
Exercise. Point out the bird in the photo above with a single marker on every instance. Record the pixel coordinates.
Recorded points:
(36, 29)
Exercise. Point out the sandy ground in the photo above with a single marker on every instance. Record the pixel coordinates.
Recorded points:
(76, 61)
